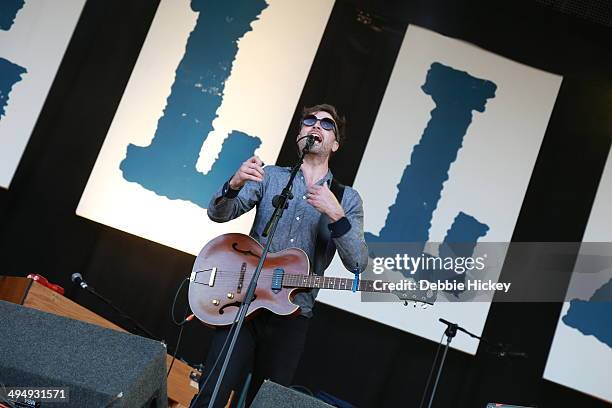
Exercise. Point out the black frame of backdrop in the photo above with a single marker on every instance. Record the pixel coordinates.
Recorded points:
(364, 362)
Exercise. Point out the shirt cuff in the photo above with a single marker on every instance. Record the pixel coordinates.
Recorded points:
(339, 228)
(229, 192)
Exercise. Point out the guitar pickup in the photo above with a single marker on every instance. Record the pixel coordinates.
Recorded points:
(241, 279)
(277, 279)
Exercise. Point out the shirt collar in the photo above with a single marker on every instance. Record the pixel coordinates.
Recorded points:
(326, 179)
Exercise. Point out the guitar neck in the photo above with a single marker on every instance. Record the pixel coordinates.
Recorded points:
(329, 282)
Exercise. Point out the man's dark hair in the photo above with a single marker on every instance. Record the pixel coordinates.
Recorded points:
(325, 107)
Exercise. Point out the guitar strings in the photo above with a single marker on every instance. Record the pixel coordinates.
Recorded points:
(231, 281)
(228, 279)
(230, 275)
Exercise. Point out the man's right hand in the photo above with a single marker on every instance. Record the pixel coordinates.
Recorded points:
(249, 170)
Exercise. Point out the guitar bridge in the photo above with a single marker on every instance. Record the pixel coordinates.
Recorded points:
(213, 274)
(211, 280)
(277, 279)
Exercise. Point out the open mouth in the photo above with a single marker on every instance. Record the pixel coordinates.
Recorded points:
(317, 138)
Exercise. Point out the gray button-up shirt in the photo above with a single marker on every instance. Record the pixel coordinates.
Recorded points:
(299, 224)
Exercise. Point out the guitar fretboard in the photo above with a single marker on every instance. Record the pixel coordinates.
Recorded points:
(328, 282)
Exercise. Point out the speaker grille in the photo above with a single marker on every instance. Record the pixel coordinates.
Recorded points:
(39, 349)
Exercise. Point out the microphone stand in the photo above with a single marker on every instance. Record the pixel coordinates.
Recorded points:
(91, 290)
(280, 202)
(450, 332)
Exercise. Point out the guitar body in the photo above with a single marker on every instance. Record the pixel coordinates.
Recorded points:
(222, 272)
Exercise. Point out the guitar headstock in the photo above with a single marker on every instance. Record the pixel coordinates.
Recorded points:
(412, 294)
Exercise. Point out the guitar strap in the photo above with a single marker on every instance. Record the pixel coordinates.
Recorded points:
(324, 246)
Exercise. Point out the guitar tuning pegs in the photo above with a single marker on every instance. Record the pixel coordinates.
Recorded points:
(424, 306)
(405, 303)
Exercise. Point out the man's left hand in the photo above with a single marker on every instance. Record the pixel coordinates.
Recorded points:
(324, 201)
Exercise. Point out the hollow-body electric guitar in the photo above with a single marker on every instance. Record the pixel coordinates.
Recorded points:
(224, 267)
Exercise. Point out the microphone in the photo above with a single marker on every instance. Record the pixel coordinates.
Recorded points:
(309, 142)
(78, 279)
(311, 138)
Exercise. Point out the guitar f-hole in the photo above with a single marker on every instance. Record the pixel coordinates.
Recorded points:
(242, 251)
(237, 304)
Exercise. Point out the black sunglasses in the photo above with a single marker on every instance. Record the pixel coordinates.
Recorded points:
(326, 123)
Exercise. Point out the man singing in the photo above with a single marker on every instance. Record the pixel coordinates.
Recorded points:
(270, 346)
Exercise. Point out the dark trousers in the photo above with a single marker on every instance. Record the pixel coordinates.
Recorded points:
(269, 347)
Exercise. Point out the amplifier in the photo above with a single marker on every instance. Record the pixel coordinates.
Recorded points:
(273, 395)
(96, 367)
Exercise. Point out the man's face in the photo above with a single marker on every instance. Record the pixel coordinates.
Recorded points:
(325, 140)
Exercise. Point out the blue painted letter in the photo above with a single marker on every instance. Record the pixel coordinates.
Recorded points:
(10, 74)
(456, 94)
(8, 12)
(168, 165)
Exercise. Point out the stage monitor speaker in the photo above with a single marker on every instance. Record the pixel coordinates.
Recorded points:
(272, 395)
(98, 366)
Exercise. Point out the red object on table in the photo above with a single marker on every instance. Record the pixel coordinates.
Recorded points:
(43, 281)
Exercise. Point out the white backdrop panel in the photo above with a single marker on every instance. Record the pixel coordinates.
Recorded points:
(578, 360)
(265, 81)
(488, 179)
(36, 41)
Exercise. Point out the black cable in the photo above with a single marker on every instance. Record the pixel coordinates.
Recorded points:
(212, 370)
(178, 342)
(121, 313)
(174, 304)
(180, 324)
